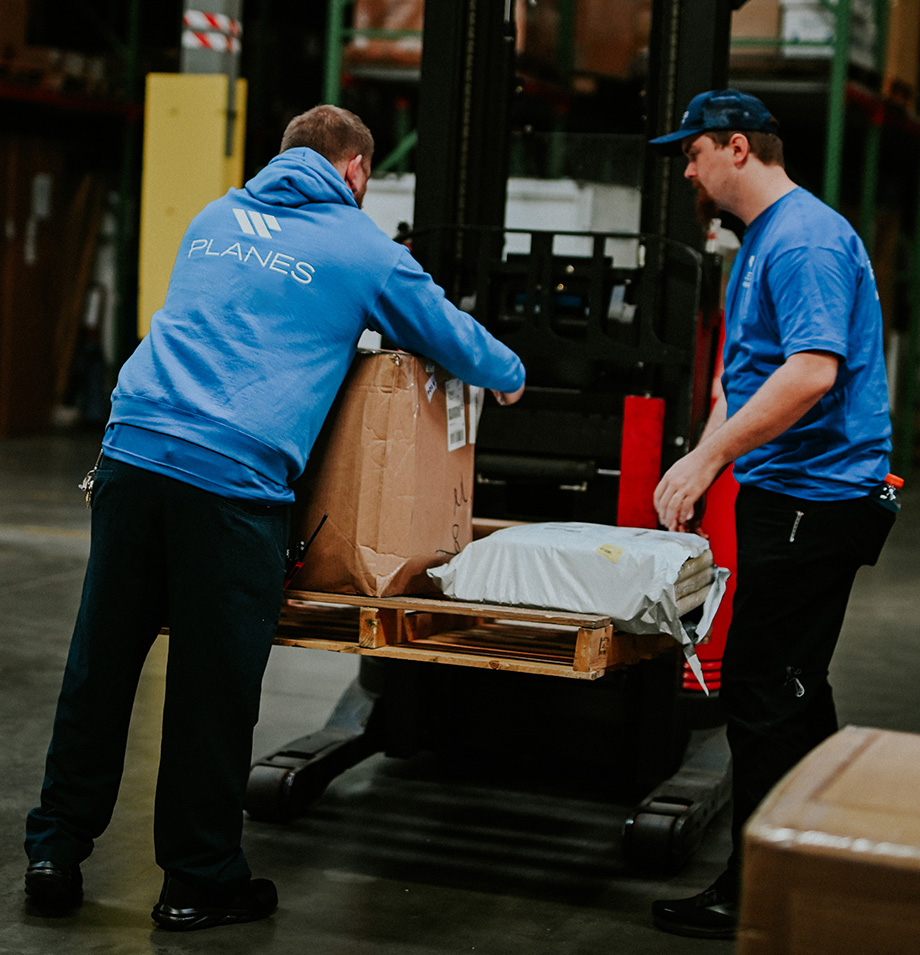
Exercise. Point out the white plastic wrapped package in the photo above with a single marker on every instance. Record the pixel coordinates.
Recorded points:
(644, 580)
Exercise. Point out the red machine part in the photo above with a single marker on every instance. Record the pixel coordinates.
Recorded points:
(640, 470)
(640, 460)
(719, 526)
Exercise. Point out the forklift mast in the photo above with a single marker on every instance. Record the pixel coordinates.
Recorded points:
(598, 331)
(618, 332)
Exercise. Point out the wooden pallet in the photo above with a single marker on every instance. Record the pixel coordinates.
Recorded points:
(579, 645)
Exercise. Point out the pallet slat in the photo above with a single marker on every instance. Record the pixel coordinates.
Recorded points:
(527, 640)
(437, 605)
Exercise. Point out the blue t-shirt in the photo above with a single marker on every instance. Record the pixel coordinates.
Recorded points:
(802, 281)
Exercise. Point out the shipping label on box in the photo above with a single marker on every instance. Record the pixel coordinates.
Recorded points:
(392, 473)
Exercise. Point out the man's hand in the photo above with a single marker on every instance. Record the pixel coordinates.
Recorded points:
(680, 495)
(508, 397)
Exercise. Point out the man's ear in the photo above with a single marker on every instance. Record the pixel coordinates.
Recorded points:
(351, 168)
(740, 146)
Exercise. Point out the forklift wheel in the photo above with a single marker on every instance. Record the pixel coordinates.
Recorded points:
(671, 821)
(271, 797)
(648, 842)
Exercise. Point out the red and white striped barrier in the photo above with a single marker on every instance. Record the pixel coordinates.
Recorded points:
(197, 20)
(211, 31)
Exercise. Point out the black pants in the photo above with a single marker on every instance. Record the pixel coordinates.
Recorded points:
(797, 560)
(165, 553)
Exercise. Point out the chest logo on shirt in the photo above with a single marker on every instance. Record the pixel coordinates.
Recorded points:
(257, 223)
(749, 274)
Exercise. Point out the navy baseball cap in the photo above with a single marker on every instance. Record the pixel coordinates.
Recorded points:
(718, 109)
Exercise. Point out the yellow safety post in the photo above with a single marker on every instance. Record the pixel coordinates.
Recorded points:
(185, 166)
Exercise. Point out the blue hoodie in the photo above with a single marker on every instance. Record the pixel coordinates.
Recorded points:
(272, 287)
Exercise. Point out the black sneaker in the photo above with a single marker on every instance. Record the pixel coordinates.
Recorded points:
(183, 908)
(711, 914)
(53, 885)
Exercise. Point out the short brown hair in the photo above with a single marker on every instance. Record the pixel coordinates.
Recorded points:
(333, 132)
(767, 147)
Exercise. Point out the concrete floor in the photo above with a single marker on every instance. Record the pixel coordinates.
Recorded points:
(395, 857)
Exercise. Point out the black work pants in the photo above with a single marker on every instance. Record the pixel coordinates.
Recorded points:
(165, 553)
(797, 560)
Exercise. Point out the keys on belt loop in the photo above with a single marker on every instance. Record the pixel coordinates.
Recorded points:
(86, 485)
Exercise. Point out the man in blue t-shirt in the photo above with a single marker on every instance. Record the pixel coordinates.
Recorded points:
(803, 414)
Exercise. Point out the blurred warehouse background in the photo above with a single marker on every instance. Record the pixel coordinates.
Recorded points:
(72, 116)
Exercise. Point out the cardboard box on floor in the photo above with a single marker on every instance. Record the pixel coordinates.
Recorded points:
(832, 856)
(392, 471)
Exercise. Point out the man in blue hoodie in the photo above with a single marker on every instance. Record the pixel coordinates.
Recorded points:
(212, 417)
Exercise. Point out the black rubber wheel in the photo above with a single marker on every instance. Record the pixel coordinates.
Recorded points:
(647, 841)
(268, 794)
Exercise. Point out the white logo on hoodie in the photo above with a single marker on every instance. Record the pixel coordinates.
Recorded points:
(268, 259)
(257, 223)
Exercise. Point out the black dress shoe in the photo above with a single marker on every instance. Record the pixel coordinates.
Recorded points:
(711, 914)
(183, 908)
(55, 885)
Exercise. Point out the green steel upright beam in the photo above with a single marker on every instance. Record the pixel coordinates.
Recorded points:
(871, 154)
(882, 27)
(873, 144)
(335, 42)
(565, 60)
(397, 160)
(565, 37)
(836, 111)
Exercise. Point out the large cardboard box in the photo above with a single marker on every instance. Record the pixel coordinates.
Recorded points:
(832, 856)
(610, 35)
(14, 15)
(372, 20)
(375, 50)
(393, 474)
(902, 65)
(801, 24)
(607, 36)
(757, 19)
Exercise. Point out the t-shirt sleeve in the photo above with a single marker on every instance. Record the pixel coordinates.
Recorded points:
(813, 290)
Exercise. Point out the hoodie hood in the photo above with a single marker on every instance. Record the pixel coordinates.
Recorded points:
(298, 177)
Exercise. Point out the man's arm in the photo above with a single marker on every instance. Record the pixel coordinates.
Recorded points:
(718, 414)
(794, 388)
(413, 312)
